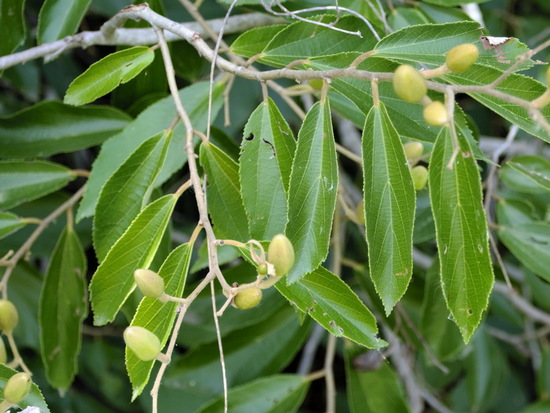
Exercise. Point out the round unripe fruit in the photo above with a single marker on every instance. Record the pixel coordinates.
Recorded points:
(9, 317)
(17, 387)
(149, 283)
(248, 298)
(461, 57)
(145, 344)
(420, 177)
(413, 150)
(435, 114)
(281, 254)
(316, 84)
(262, 269)
(409, 84)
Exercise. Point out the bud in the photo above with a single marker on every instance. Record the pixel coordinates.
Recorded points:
(3, 354)
(435, 114)
(281, 254)
(262, 268)
(413, 150)
(145, 344)
(17, 387)
(8, 316)
(248, 298)
(409, 84)
(420, 177)
(149, 283)
(461, 57)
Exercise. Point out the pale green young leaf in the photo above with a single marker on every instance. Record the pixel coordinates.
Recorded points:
(274, 394)
(126, 191)
(329, 301)
(50, 127)
(313, 190)
(530, 243)
(151, 121)
(10, 223)
(461, 229)
(113, 280)
(156, 316)
(253, 41)
(25, 181)
(34, 398)
(60, 18)
(12, 25)
(63, 307)
(527, 174)
(106, 74)
(264, 168)
(389, 199)
(225, 203)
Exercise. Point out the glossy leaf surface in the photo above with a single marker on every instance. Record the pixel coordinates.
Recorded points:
(60, 18)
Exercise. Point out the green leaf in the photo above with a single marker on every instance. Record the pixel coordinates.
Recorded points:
(126, 191)
(252, 352)
(24, 181)
(151, 121)
(253, 41)
(266, 159)
(157, 316)
(12, 25)
(106, 74)
(34, 398)
(49, 128)
(113, 281)
(375, 388)
(329, 301)
(10, 223)
(530, 243)
(515, 212)
(225, 204)
(63, 307)
(461, 229)
(313, 190)
(273, 394)
(527, 174)
(389, 199)
(452, 3)
(402, 17)
(60, 18)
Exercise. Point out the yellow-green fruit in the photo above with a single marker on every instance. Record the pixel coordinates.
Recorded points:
(9, 317)
(145, 344)
(420, 177)
(281, 254)
(316, 84)
(461, 57)
(248, 298)
(409, 84)
(435, 114)
(149, 283)
(548, 76)
(360, 212)
(17, 387)
(3, 354)
(262, 269)
(413, 150)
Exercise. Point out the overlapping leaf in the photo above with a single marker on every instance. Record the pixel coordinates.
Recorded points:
(60, 18)
(313, 190)
(10, 223)
(264, 168)
(24, 181)
(12, 25)
(461, 229)
(34, 398)
(253, 41)
(527, 173)
(125, 192)
(50, 127)
(113, 281)
(63, 307)
(156, 316)
(389, 199)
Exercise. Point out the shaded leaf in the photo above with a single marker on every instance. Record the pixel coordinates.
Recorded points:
(126, 191)
(24, 181)
(10, 223)
(253, 41)
(12, 25)
(158, 317)
(461, 229)
(50, 127)
(313, 190)
(106, 74)
(63, 308)
(527, 174)
(389, 199)
(266, 159)
(113, 280)
(60, 18)
(34, 398)
(225, 204)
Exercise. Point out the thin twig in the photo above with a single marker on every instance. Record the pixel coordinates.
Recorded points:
(220, 347)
